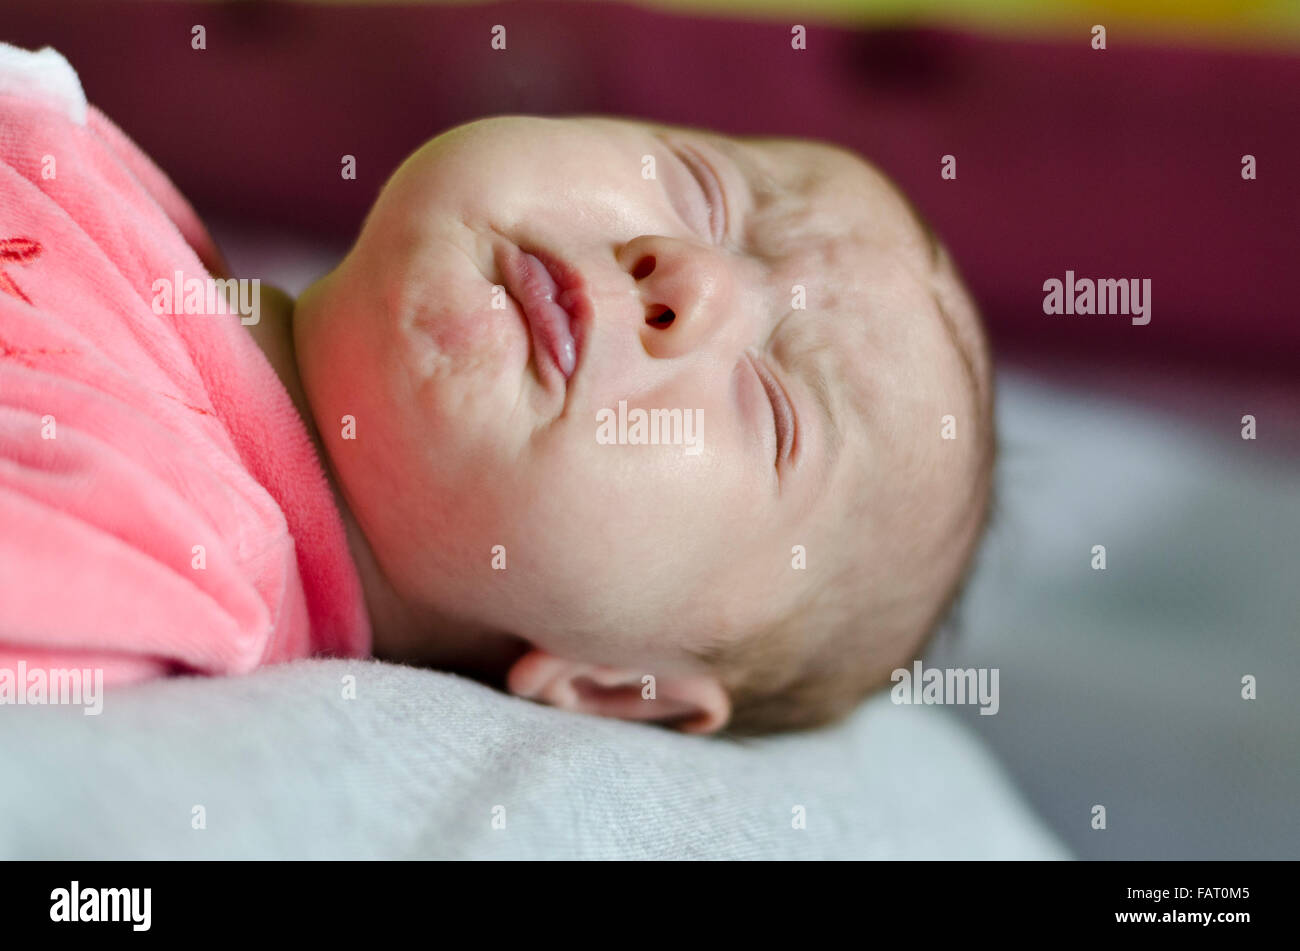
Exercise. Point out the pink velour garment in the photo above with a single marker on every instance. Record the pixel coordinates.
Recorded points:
(162, 508)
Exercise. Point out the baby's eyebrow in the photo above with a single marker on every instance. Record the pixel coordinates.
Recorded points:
(820, 384)
(973, 388)
(930, 241)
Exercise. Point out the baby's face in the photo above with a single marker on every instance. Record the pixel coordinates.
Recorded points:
(779, 296)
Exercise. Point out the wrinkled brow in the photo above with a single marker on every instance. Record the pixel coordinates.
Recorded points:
(819, 382)
(807, 357)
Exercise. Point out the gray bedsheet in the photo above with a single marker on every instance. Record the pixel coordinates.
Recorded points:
(426, 765)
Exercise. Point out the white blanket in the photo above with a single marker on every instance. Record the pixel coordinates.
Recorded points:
(426, 765)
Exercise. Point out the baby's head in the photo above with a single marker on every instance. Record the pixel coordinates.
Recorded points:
(804, 518)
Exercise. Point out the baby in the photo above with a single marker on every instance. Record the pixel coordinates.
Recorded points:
(640, 421)
(520, 278)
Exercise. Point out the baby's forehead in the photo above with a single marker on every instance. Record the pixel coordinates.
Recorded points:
(866, 276)
(819, 198)
(822, 219)
(878, 315)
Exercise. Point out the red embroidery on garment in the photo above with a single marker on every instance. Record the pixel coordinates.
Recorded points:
(17, 251)
(197, 409)
(27, 355)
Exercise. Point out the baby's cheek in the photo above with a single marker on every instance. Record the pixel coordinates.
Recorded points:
(468, 334)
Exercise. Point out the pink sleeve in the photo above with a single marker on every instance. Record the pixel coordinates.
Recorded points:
(160, 189)
(162, 507)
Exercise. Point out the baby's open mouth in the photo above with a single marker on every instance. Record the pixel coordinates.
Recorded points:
(550, 294)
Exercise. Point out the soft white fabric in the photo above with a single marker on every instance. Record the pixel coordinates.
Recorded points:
(420, 763)
(42, 74)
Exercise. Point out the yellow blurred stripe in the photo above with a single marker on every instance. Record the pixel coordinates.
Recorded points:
(1215, 22)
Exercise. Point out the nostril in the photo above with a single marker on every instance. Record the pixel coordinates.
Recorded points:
(660, 317)
(644, 268)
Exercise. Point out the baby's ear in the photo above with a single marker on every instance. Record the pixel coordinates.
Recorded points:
(695, 703)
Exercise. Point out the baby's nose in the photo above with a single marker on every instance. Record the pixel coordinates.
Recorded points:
(686, 290)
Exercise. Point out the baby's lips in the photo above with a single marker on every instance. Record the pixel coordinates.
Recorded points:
(573, 300)
(567, 357)
(533, 286)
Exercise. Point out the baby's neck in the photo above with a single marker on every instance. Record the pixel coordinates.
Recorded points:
(401, 631)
